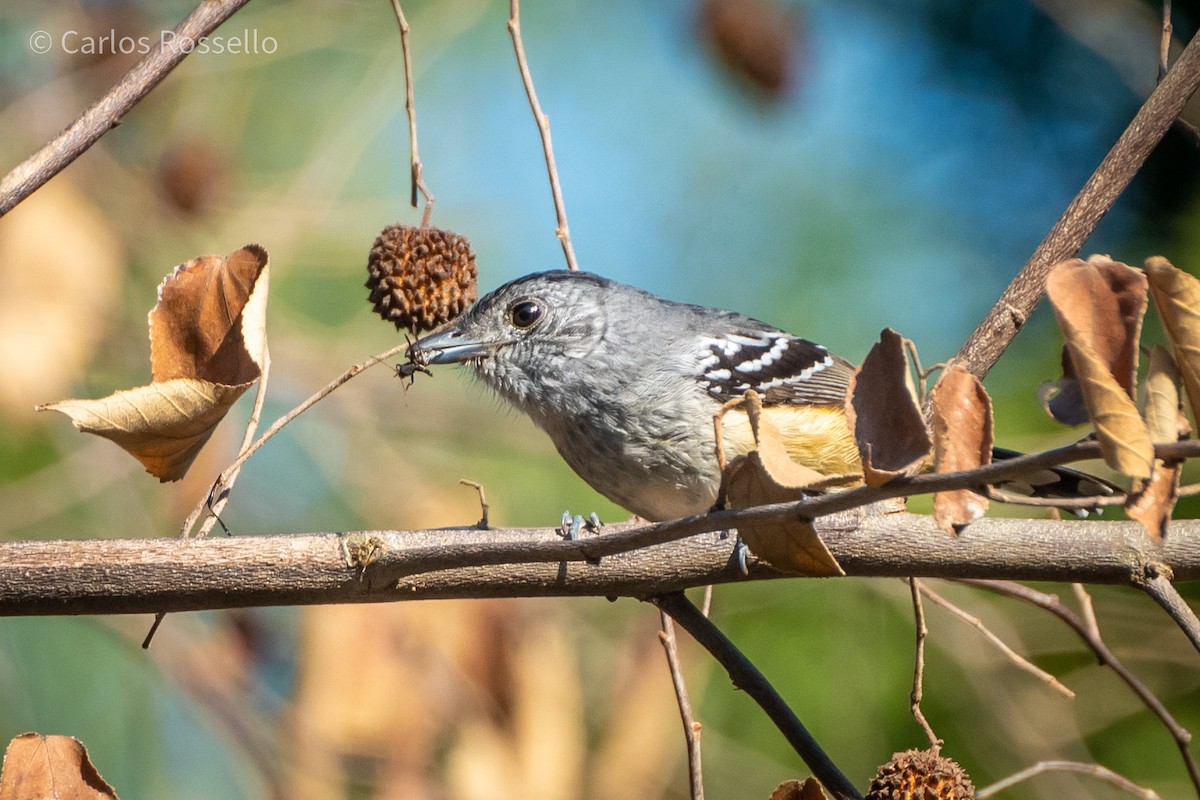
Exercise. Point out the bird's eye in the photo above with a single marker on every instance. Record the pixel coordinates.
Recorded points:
(525, 313)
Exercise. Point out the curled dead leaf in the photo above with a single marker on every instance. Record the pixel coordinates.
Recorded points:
(1153, 500)
(38, 766)
(1177, 298)
(962, 439)
(207, 346)
(809, 789)
(1099, 306)
(767, 475)
(883, 412)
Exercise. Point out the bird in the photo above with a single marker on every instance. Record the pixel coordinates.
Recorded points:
(626, 384)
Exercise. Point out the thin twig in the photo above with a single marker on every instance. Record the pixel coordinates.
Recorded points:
(106, 113)
(1095, 770)
(1106, 658)
(543, 125)
(217, 505)
(1017, 659)
(706, 603)
(993, 335)
(691, 728)
(221, 484)
(483, 503)
(1087, 610)
(410, 106)
(746, 677)
(918, 685)
(1164, 47)
(1157, 583)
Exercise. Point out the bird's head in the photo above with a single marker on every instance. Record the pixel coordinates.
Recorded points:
(519, 336)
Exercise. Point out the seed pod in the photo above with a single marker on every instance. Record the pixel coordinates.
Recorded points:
(421, 278)
(920, 775)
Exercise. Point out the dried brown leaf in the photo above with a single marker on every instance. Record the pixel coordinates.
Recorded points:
(37, 766)
(207, 345)
(768, 475)
(162, 425)
(809, 789)
(884, 414)
(1161, 404)
(962, 439)
(1099, 305)
(1153, 500)
(1104, 302)
(206, 324)
(1177, 298)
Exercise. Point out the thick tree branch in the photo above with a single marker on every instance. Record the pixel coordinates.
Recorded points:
(123, 576)
(106, 113)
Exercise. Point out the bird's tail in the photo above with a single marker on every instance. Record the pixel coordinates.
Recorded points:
(1054, 482)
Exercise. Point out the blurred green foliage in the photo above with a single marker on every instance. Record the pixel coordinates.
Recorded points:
(917, 153)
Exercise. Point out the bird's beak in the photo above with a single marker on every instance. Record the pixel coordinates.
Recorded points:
(450, 346)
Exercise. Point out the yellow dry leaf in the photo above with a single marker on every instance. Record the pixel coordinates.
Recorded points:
(884, 415)
(1099, 306)
(1177, 298)
(962, 439)
(37, 766)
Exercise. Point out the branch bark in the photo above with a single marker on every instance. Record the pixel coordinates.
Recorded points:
(1006, 318)
(127, 576)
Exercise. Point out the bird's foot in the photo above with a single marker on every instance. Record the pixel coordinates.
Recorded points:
(741, 552)
(572, 526)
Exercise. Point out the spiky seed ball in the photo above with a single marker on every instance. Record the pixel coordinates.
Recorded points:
(421, 278)
(920, 775)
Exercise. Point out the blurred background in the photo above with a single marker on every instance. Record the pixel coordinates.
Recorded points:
(832, 167)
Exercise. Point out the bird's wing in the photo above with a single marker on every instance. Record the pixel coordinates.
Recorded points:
(783, 368)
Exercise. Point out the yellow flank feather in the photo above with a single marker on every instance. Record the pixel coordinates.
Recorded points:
(816, 436)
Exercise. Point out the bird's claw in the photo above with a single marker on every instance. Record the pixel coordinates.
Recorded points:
(572, 526)
(741, 552)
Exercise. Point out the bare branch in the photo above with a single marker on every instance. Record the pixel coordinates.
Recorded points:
(126, 576)
(1106, 657)
(1095, 770)
(746, 677)
(1158, 585)
(410, 107)
(106, 113)
(993, 335)
(1015, 657)
(691, 728)
(918, 685)
(543, 125)
(1164, 48)
(483, 503)
(224, 482)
